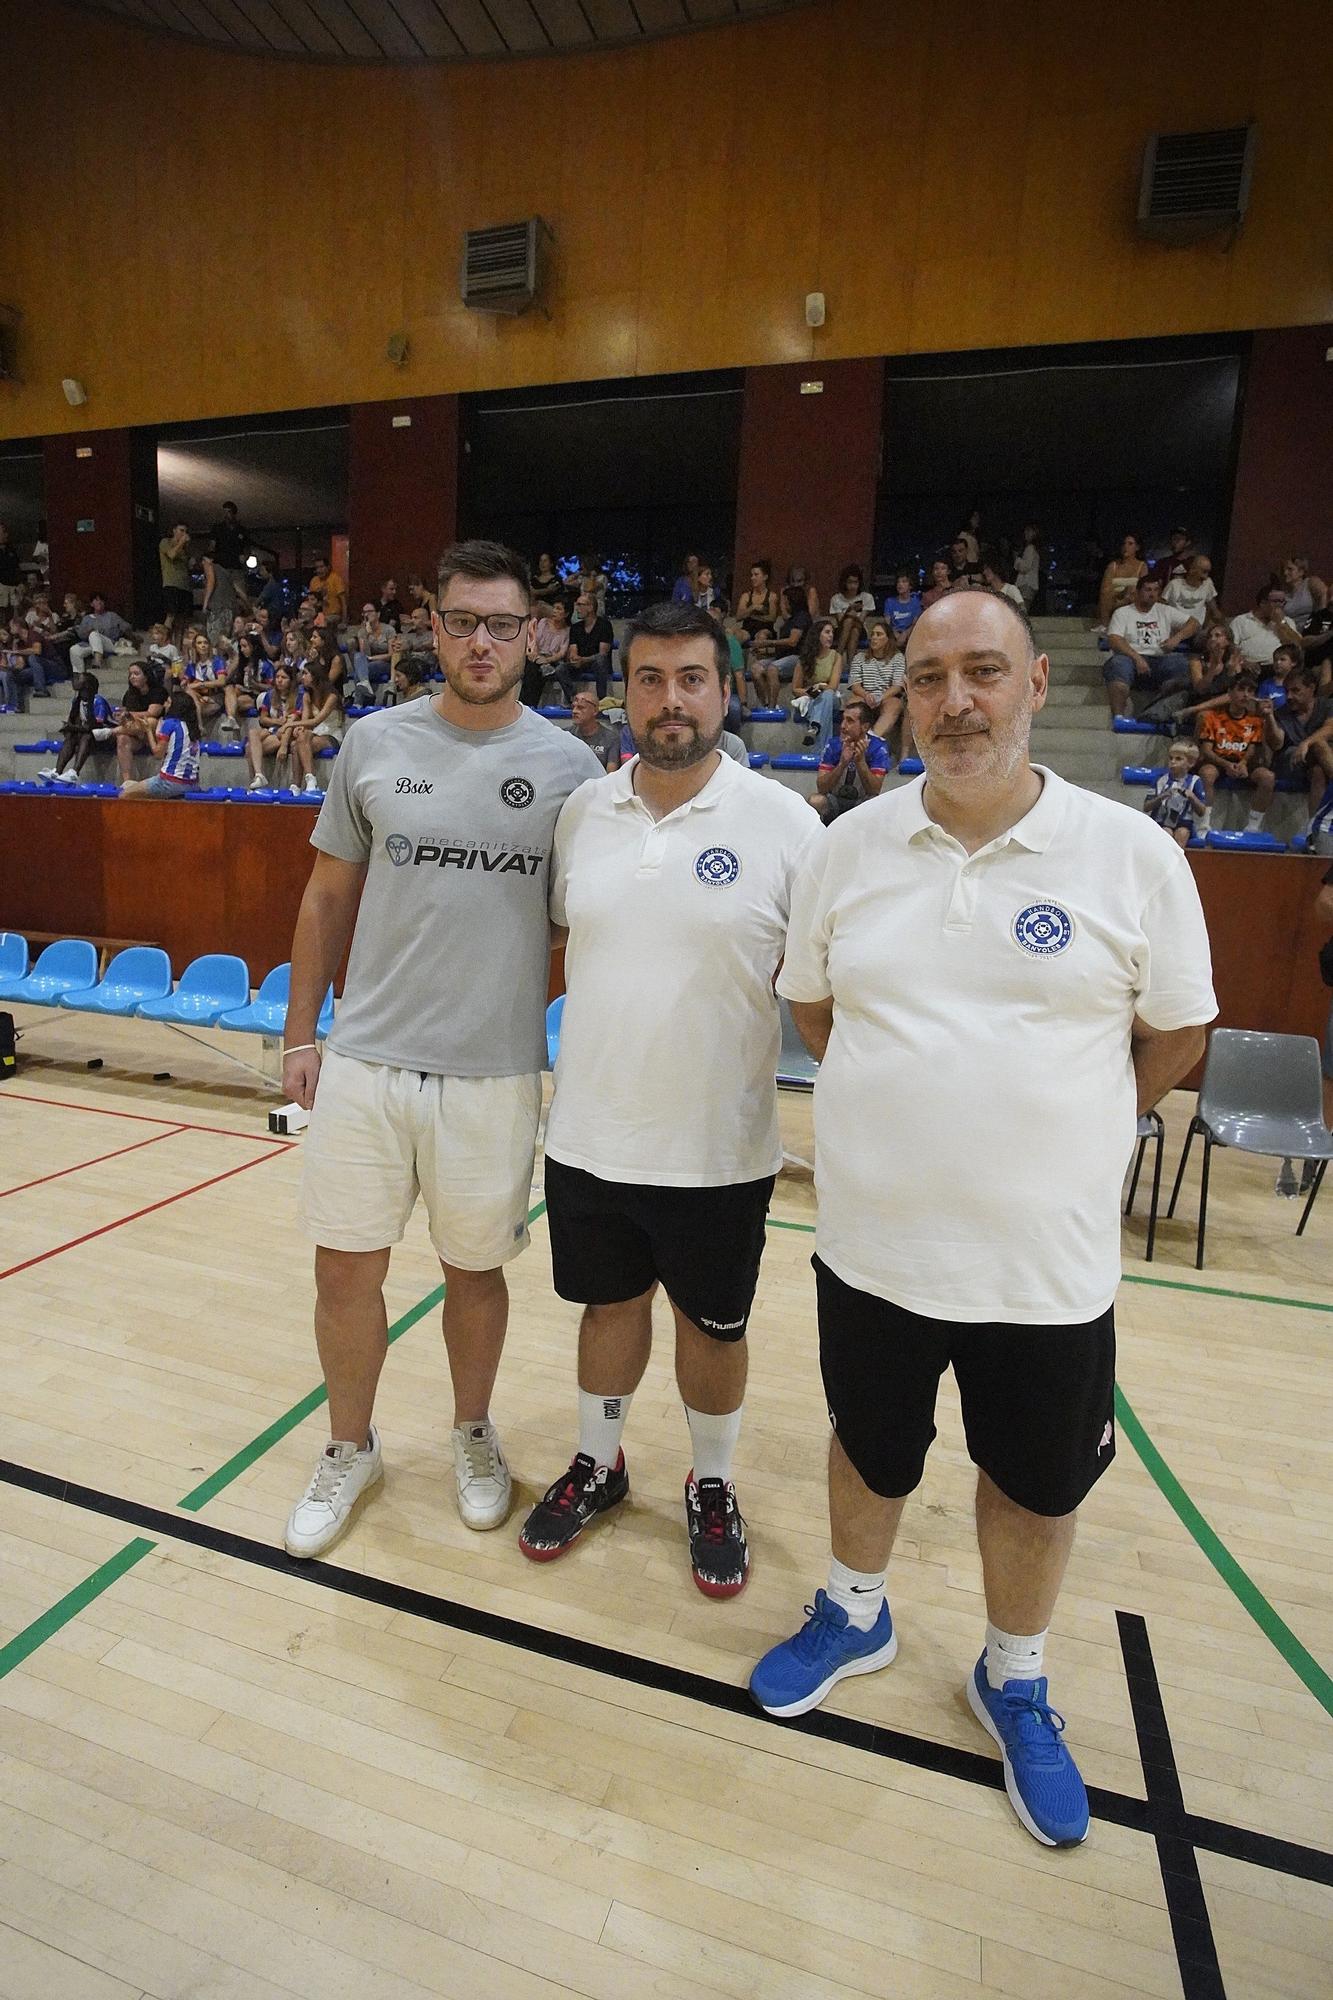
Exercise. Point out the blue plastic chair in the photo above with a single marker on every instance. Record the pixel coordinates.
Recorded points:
(911, 767)
(1141, 774)
(555, 1014)
(1125, 725)
(768, 715)
(267, 1012)
(209, 988)
(1252, 843)
(143, 972)
(13, 956)
(69, 966)
(758, 760)
(795, 760)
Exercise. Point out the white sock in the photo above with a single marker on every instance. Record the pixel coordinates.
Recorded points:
(1013, 1656)
(713, 1440)
(860, 1592)
(601, 1421)
(1206, 821)
(1254, 822)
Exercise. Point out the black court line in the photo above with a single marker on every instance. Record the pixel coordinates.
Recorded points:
(1186, 1904)
(1148, 1816)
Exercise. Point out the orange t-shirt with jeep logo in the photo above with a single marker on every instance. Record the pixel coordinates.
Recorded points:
(1233, 735)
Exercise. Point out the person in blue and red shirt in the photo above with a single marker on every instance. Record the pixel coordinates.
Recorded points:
(90, 721)
(178, 746)
(853, 766)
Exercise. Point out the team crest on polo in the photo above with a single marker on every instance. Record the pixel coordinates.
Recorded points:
(517, 792)
(717, 867)
(1043, 929)
(399, 849)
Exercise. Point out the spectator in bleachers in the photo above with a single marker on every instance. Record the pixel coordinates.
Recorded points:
(371, 645)
(1273, 685)
(940, 580)
(794, 620)
(1194, 592)
(310, 615)
(995, 579)
(90, 721)
(904, 607)
(593, 582)
(406, 682)
(1306, 594)
(423, 598)
(160, 654)
(321, 722)
(601, 738)
(137, 717)
(328, 590)
(851, 604)
(1120, 578)
(1213, 662)
(547, 583)
(707, 590)
(416, 639)
(1028, 569)
(1142, 636)
(177, 743)
(248, 676)
(223, 598)
(548, 651)
(266, 599)
(1238, 741)
(765, 679)
(717, 611)
(229, 541)
(1176, 558)
(590, 641)
(684, 588)
(11, 573)
(391, 608)
(24, 665)
(100, 632)
(800, 583)
(173, 555)
(204, 676)
(322, 655)
(964, 567)
(1306, 724)
(758, 603)
(272, 726)
(875, 677)
(819, 668)
(291, 653)
(852, 767)
(968, 540)
(1178, 801)
(1260, 632)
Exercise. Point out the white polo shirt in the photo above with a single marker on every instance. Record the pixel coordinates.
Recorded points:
(975, 1110)
(670, 1036)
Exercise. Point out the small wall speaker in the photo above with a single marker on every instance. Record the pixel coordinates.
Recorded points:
(814, 308)
(75, 393)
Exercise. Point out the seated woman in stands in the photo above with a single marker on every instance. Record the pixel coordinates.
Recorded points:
(22, 664)
(875, 679)
(205, 676)
(320, 723)
(851, 604)
(88, 723)
(177, 743)
(249, 675)
(1120, 577)
(137, 718)
(272, 724)
(819, 667)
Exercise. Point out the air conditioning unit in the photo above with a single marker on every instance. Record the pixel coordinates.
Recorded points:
(503, 267)
(1194, 183)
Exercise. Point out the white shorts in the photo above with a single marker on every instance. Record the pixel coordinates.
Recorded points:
(379, 1136)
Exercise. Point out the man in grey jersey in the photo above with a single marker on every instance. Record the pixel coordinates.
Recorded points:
(433, 853)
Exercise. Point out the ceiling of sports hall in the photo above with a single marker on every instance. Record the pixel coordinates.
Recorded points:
(429, 31)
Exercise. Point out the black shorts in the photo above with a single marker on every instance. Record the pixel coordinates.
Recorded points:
(175, 600)
(1038, 1401)
(611, 1240)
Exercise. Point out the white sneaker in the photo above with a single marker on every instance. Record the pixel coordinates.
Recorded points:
(326, 1507)
(485, 1489)
(295, 791)
(47, 771)
(257, 785)
(311, 783)
(67, 776)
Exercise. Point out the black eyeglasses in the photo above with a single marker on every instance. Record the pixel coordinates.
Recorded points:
(500, 624)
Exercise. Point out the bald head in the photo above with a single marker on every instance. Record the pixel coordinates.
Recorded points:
(972, 619)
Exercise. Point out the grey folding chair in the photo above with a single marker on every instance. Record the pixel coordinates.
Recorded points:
(1150, 1128)
(1260, 1094)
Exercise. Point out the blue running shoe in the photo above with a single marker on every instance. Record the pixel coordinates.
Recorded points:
(796, 1675)
(1040, 1776)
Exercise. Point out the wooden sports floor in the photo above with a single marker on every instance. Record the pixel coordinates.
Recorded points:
(426, 1767)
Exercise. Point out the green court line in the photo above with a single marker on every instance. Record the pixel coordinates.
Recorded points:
(1242, 1586)
(242, 1460)
(70, 1605)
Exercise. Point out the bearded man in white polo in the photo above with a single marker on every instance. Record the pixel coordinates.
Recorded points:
(1031, 961)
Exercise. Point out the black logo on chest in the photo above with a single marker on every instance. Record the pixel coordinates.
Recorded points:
(517, 792)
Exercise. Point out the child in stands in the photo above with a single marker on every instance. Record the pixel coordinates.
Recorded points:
(177, 744)
(89, 714)
(1177, 801)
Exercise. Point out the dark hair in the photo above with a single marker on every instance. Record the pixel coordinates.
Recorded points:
(808, 651)
(764, 563)
(904, 570)
(677, 621)
(859, 708)
(852, 570)
(229, 507)
(1130, 536)
(409, 669)
(482, 562)
(1305, 677)
(1291, 652)
(1267, 589)
(180, 708)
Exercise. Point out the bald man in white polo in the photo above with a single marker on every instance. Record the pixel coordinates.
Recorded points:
(1031, 962)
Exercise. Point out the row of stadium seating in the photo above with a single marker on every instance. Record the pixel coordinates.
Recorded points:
(214, 991)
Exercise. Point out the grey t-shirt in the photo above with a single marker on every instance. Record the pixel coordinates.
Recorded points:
(449, 961)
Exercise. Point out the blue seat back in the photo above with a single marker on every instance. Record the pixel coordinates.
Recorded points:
(277, 986)
(554, 1015)
(145, 967)
(68, 958)
(218, 973)
(13, 955)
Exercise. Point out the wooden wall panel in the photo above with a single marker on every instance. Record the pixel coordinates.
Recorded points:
(1281, 505)
(808, 468)
(947, 181)
(402, 487)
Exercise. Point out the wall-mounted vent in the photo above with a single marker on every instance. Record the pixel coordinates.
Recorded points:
(1195, 183)
(503, 267)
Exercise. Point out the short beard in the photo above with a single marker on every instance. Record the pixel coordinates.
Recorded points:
(660, 757)
(1008, 751)
(481, 697)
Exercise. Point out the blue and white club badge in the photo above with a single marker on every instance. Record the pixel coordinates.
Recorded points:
(1044, 929)
(717, 867)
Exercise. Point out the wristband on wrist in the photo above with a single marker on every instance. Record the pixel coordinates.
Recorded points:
(301, 1047)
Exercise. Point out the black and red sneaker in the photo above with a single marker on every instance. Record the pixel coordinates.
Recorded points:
(566, 1508)
(719, 1552)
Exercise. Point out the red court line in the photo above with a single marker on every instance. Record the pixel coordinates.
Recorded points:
(121, 1220)
(79, 1165)
(139, 1118)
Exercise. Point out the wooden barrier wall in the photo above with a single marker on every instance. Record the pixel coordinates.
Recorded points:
(197, 878)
